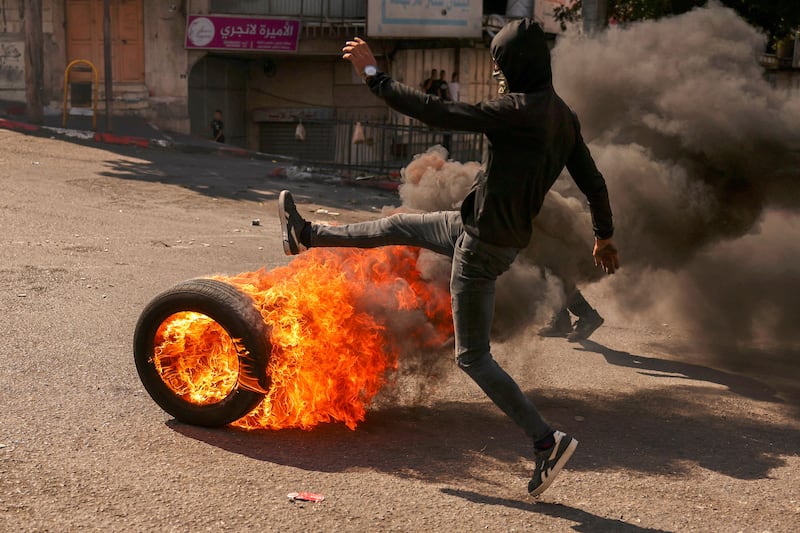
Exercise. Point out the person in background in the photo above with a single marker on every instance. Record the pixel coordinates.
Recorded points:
(437, 86)
(441, 88)
(429, 85)
(218, 127)
(454, 87)
(561, 324)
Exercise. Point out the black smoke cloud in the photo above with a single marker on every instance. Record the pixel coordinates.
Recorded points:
(702, 160)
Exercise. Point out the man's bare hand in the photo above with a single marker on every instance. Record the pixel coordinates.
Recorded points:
(358, 53)
(605, 255)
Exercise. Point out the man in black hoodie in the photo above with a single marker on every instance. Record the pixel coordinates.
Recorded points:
(532, 136)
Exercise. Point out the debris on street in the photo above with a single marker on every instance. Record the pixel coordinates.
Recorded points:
(305, 497)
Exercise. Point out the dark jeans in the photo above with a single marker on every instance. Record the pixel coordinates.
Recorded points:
(476, 266)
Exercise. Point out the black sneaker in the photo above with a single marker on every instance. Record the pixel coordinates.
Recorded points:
(559, 326)
(585, 326)
(292, 224)
(550, 462)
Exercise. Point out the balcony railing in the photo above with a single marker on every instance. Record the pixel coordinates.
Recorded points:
(773, 62)
(309, 11)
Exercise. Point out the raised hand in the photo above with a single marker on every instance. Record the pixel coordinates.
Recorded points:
(359, 54)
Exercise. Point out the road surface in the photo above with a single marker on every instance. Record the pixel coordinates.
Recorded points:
(668, 440)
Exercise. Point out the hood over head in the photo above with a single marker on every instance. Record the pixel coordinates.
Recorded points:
(521, 52)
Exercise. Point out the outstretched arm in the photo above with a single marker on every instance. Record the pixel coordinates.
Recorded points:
(432, 110)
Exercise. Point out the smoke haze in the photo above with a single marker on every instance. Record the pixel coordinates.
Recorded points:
(702, 160)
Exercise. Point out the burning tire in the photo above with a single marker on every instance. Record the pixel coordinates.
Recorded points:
(201, 350)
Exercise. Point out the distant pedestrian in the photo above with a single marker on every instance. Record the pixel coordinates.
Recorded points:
(441, 87)
(445, 94)
(218, 127)
(454, 87)
(561, 324)
(428, 85)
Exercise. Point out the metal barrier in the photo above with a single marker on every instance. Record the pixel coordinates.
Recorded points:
(386, 147)
(94, 86)
(392, 146)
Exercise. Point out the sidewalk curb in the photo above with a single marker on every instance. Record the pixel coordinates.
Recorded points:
(129, 140)
(18, 126)
(108, 138)
(386, 184)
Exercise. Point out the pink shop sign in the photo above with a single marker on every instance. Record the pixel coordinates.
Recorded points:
(222, 32)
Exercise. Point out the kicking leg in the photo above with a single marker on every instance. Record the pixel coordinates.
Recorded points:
(433, 231)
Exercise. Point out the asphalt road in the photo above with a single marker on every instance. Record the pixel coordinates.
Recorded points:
(90, 234)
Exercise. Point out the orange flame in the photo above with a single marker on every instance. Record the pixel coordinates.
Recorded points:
(339, 321)
(196, 358)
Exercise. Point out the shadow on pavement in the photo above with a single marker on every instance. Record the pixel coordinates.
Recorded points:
(585, 521)
(669, 430)
(209, 175)
(665, 431)
(650, 366)
(236, 178)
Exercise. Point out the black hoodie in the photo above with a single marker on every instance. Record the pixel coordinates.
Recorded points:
(532, 136)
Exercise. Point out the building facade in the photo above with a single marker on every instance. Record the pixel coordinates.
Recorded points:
(160, 74)
(149, 64)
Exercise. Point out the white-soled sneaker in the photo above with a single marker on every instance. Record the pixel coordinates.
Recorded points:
(550, 462)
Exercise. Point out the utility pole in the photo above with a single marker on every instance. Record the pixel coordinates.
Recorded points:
(34, 60)
(595, 16)
(107, 77)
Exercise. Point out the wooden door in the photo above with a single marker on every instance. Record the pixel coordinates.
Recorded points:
(127, 31)
(85, 37)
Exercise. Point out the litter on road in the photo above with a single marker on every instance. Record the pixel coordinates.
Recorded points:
(305, 497)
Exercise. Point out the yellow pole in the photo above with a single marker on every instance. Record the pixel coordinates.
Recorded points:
(95, 80)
